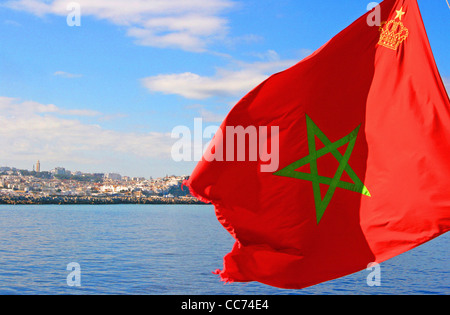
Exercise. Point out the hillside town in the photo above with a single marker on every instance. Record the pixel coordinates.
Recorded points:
(61, 186)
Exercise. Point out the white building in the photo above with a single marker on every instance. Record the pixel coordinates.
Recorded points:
(58, 171)
(113, 176)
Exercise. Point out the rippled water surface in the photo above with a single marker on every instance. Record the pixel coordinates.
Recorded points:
(152, 249)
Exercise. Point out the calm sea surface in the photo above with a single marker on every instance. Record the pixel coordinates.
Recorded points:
(152, 249)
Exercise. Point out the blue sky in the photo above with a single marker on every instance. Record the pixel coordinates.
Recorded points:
(105, 96)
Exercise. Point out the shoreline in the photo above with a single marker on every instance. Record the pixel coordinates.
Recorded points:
(85, 200)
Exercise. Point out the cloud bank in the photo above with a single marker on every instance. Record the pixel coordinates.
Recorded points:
(233, 82)
(188, 25)
(31, 131)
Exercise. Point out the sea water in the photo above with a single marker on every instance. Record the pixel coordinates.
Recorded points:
(164, 250)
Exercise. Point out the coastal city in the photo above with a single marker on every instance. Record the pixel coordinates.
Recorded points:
(62, 186)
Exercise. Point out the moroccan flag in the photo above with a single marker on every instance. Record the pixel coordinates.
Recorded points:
(337, 162)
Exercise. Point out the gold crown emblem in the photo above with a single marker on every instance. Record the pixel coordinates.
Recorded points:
(393, 33)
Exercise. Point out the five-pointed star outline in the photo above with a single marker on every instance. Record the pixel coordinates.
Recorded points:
(315, 178)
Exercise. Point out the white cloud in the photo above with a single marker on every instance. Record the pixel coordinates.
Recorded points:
(226, 83)
(12, 23)
(67, 75)
(31, 130)
(188, 25)
(33, 6)
(11, 107)
(211, 117)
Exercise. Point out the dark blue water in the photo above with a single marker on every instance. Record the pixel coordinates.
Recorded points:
(149, 249)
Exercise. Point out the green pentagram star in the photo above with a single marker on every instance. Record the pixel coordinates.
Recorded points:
(315, 178)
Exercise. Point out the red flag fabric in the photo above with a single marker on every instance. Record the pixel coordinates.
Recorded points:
(362, 129)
